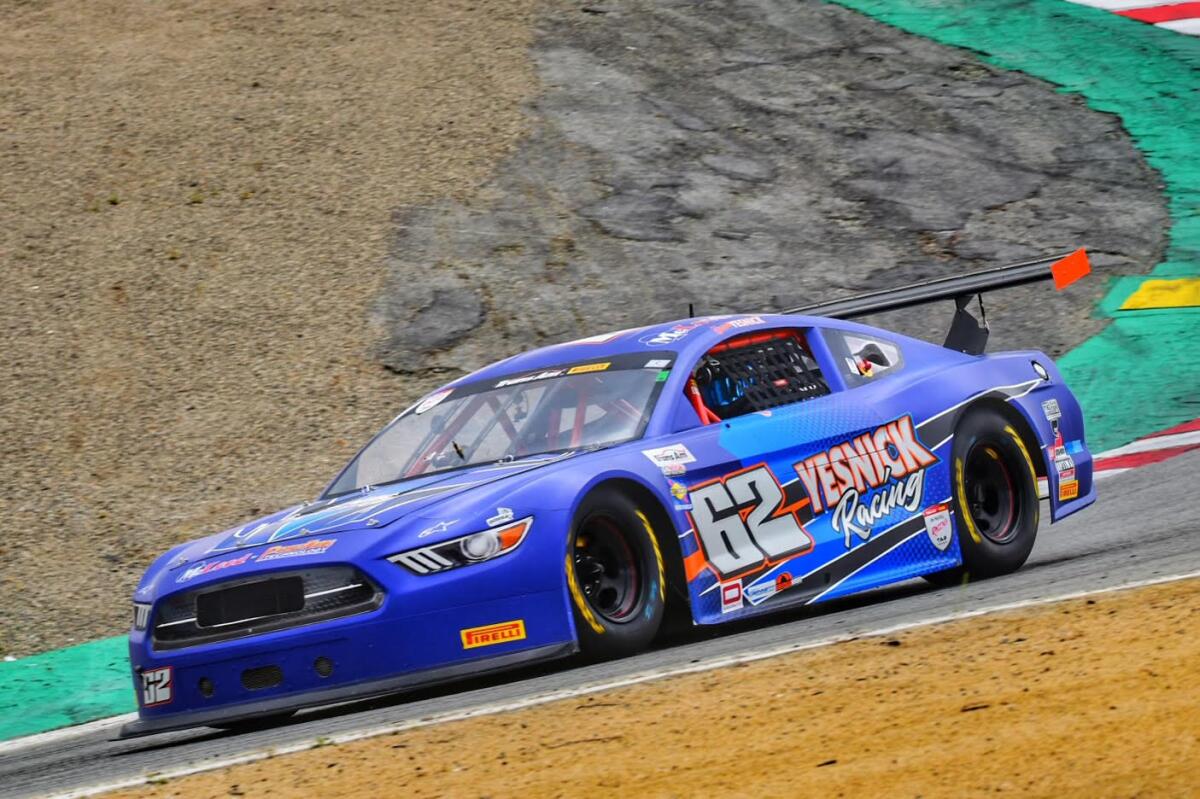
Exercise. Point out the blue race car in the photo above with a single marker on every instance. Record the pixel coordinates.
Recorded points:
(568, 499)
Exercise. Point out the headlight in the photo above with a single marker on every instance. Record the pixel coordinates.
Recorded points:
(473, 548)
(141, 615)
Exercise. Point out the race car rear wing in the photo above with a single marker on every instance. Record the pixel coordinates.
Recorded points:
(966, 333)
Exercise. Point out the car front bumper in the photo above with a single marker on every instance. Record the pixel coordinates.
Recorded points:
(427, 629)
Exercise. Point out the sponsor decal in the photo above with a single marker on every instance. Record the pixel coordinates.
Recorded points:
(662, 376)
(1068, 490)
(1051, 410)
(680, 492)
(314, 547)
(657, 363)
(938, 527)
(544, 375)
(591, 367)
(673, 469)
(865, 480)
(208, 567)
(157, 686)
(744, 521)
(492, 634)
(738, 324)
(731, 597)
(432, 400)
(440, 527)
(669, 455)
(761, 591)
(1064, 464)
(673, 333)
(503, 516)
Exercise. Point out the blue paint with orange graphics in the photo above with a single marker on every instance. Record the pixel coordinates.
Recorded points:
(837, 481)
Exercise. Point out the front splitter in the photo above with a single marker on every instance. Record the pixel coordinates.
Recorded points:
(342, 693)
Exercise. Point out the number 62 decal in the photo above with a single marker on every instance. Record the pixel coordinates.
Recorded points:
(157, 688)
(742, 522)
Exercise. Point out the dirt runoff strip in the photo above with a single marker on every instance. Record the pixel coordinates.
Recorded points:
(196, 207)
(1092, 697)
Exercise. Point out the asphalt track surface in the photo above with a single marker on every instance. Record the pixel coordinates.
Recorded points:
(1142, 527)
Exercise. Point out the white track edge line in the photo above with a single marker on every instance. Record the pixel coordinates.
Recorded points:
(584, 690)
(63, 733)
(1153, 444)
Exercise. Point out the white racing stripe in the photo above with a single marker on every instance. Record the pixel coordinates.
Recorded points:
(1188, 26)
(1118, 5)
(709, 664)
(1153, 443)
(64, 734)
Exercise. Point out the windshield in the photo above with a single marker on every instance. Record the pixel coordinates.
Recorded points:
(572, 407)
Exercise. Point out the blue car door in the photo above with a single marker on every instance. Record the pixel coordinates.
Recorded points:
(904, 520)
(807, 500)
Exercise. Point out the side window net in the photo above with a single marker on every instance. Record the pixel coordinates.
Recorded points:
(758, 372)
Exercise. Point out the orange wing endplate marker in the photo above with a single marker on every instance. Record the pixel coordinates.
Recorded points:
(1070, 269)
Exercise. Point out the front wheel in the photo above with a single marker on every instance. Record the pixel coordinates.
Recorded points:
(995, 498)
(614, 569)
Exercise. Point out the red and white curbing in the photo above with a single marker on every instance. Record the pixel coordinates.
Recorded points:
(1178, 17)
(1153, 448)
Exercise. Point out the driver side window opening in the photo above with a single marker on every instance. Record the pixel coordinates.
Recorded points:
(862, 358)
(754, 372)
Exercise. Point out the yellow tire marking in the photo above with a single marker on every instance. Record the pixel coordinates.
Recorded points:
(1037, 511)
(580, 602)
(962, 499)
(1183, 292)
(662, 572)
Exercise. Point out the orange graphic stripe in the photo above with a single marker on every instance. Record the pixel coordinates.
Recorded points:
(694, 565)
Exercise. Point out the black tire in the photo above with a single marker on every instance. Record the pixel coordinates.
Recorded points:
(995, 498)
(615, 573)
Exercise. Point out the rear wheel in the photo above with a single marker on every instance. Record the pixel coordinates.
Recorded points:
(995, 498)
(616, 576)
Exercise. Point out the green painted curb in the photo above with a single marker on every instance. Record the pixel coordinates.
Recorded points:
(64, 687)
(1140, 374)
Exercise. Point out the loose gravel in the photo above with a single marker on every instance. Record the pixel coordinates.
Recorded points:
(195, 207)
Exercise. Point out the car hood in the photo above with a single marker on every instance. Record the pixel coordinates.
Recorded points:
(373, 509)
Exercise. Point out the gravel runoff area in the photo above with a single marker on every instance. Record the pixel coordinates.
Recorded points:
(195, 209)
(1092, 697)
(239, 237)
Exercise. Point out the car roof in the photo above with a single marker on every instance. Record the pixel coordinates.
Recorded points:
(688, 338)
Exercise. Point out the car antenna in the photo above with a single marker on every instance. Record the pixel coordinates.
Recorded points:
(691, 311)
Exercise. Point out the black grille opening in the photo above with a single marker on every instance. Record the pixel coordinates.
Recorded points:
(252, 605)
(249, 601)
(261, 677)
